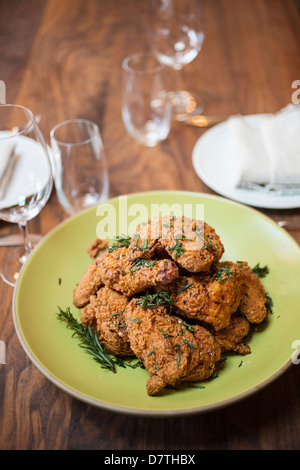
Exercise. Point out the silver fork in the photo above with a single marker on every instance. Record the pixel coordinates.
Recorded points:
(17, 239)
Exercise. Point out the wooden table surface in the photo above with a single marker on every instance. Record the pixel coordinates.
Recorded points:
(62, 59)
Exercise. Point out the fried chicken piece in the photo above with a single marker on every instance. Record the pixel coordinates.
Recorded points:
(188, 295)
(195, 255)
(97, 247)
(90, 282)
(172, 351)
(223, 295)
(145, 241)
(212, 299)
(193, 244)
(116, 271)
(119, 273)
(230, 338)
(253, 301)
(105, 313)
(88, 313)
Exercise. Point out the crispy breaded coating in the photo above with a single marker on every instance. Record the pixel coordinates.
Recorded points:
(194, 245)
(230, 338)
(195, 254)
(223, 295)
(120, 274)
(144, 242)
(253, 300)
(116, 271)
(189, 295)
(164, 296)
(90, 282)
(213, 298)
(88, 313)
(105, 313)
(172, 351)
(97, 247)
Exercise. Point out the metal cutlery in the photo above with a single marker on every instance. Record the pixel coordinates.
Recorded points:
(200, 120)
(8, 174)
(17, 239)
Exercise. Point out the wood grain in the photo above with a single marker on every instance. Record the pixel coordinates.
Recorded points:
(62, 59)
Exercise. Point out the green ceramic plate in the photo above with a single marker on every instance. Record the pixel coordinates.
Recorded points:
(55, 267)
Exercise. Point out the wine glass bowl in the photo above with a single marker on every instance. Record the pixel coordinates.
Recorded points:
(176, 36)
(178, 44)
(80, 168)
(25, 178)
(146, 110)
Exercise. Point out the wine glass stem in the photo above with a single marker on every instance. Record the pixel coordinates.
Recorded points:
(27, 244)
(178, 80)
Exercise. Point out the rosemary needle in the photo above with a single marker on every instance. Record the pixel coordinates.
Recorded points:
(89, 339)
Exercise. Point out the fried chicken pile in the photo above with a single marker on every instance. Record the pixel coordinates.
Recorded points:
(164, 296)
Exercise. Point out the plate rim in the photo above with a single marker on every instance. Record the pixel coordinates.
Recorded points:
(158, 413)
(231, 194)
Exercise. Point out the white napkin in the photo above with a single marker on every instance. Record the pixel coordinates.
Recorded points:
(267, 153)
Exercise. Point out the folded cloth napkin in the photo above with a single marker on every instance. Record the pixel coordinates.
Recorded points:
(266, 153)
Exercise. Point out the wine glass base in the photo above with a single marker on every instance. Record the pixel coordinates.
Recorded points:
(13, 261)
(184, 103)
(12, 264)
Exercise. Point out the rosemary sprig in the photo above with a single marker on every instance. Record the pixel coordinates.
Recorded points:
(120, 241)
(145, 245)
(92, 345)
(196, 386)
(208, 244)
(136, 320)
(261, 272)
(165, 334)
(269, 304)
(134, 363)
(154, 300)
(89, 339)
(188, 343)
(223, 270)
(199, 231)
(177, 249)
(150, 353)
(178, 355)
(185, 287)
(187, 325)
(139, 263)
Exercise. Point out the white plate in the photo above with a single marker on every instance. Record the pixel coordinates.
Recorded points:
(210, 157)
(30, 171)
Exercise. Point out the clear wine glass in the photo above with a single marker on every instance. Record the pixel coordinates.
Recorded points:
(25, 179)
(80, 168)
(146, 111)
(176, 36)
